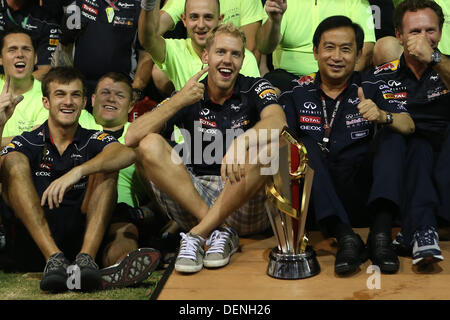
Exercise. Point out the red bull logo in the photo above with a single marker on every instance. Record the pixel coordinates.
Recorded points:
(305, 80)
(387, 66)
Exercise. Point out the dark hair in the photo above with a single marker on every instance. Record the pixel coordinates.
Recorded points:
(414, 5)
(15, 30)
(218, 6)
(117, 77)
(63, 75)
(335, 22)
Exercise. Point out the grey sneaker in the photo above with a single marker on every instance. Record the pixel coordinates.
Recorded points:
(426, 246)
(54, 278)
(190, 255)
(91, 279)
(222, 243)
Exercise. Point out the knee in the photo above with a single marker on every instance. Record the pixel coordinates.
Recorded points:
(151, 148)
(15, 164)
(386, 49)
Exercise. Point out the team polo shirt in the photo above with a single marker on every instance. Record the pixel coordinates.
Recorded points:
(28, 113)
(427, 99)
(48, 165)
(238, 12)
(127, 175)
(294, 53)
(107, 38)
(39, 22)
(350, 132)
(182, 62)
(209, 128)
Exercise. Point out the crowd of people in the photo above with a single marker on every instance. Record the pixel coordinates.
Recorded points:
(126, 121)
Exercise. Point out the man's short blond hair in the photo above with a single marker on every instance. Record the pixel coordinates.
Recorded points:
(227, 28)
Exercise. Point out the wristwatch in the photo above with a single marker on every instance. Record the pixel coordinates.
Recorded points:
(389, 118)
(436, 57)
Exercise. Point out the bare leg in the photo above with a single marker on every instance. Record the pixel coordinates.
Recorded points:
(101, 197)
(20, 194)
(154, 156)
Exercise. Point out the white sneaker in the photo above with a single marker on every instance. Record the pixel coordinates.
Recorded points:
(426, 246)
(223, 243)
(190, 254)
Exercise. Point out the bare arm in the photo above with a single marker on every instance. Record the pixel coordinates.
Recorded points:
(113, 158)
(149, 37)
(165, 22)
(269, 35)
(143, 70)
(365, 61)
(154, 121)
(250, 31)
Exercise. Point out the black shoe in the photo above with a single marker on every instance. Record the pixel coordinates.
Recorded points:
(351, 253)
(382, 253)
(54, 278)
(134, 268)
(90, 278)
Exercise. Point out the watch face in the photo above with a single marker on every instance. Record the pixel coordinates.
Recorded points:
(436, 57)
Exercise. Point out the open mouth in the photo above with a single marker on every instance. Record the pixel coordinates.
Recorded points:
(20, 66)
(109, 107)
(225, 72)
(67, 111)
(336, 68)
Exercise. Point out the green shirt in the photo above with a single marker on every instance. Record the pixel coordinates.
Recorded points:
(294, 53)
(182, 62)
(127, 183)
(238, 12)
(29, 112)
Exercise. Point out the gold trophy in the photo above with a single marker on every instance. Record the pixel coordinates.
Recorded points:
(289, 194)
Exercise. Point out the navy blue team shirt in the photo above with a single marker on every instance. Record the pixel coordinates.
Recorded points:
(48, 165)
(207, 122)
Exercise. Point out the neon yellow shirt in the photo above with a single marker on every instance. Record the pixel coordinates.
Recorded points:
(238, 12)
(182, 62)
(294, 53)
(29, 112)
(127, 184)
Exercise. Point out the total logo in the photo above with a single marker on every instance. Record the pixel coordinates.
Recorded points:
(310, 105)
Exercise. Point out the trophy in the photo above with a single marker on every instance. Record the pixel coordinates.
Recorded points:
(288, 209)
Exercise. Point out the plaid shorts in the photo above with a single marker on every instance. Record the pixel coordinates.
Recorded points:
(251, 218)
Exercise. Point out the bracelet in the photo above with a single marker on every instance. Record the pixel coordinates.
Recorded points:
(148, 5)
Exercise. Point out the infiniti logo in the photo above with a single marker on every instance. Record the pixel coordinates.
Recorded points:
(204, 112)
(309, 105)
(394, 83)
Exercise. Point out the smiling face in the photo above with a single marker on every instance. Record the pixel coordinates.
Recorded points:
(423, 21)
(17, 56)
(65, 102)
(111, 103)
(200, 16)
(337, 54)
(224, 57)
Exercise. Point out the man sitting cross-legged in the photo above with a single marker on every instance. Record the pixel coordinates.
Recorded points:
(59, 187)
(210, 198)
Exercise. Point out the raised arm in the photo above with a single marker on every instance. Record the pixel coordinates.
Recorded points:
(269, 34)
(148, 26)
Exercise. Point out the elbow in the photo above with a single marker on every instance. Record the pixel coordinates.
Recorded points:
(130, 139)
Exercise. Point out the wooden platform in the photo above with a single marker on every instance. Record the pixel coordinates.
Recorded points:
(245, 278)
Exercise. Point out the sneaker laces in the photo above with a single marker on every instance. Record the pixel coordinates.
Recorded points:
(189, 246)
(84, 260)
(55, 261)
(217, 241)
(426, 237)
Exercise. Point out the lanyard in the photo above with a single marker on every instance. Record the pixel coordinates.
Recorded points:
(328, 124)
(24, 22)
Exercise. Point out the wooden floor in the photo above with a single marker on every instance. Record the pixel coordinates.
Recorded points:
(245, 278)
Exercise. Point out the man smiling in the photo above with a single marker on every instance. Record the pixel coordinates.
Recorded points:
(216, 197)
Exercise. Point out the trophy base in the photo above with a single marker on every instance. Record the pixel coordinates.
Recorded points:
(293, 266)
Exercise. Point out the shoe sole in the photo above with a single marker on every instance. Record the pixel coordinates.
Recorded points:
(218, 263)
(188, 269)
(422, 261)
(133, 269)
